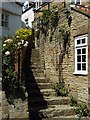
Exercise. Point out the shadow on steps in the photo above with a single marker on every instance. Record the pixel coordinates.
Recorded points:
(35, 102)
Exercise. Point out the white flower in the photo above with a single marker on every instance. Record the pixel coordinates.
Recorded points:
(25, 45)
(26, 42)
(19, 43)
(7, 53)
(15, 45)
(8, 41)
(4, 45)
(22, 41)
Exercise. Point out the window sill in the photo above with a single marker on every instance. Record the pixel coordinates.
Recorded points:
(80, 73)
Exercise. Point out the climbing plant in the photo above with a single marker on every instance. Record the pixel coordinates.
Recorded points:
(48, 19)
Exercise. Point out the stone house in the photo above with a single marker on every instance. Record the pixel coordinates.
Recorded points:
(68, 60)
(10, 18)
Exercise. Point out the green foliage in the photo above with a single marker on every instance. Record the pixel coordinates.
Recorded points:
(73, 101)
(60, 89)
(13, 89)
(82, 110)
(10, 50)
(46, 17)
(23, 33)
(54, 19)
(37, 32)
(62, 30)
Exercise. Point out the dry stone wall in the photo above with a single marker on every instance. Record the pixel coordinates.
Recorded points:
(19, 109)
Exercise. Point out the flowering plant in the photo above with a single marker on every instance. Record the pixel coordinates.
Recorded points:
(12, 87)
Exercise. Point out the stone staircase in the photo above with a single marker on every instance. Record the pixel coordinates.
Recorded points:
(43, 104)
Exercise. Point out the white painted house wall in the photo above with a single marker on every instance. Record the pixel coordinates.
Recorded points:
(14, 12)
(29, 15)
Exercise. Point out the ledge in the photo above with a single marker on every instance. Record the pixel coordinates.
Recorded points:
(80, 74)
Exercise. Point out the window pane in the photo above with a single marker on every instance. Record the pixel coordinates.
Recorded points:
(78, 41)
(77, 1)
(6, 24)
(2, 16)
(72, 1)
(78, 58)
(2, 24)
(78, 66)
(78, 51)
(84, 51)
(84, 66)
(6, 17)
(83, 40)
(83, 58)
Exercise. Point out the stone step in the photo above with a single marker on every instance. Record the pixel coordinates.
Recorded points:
(36, 74)
(41, 79)
(40, 85)
(55, 112)
(35, 59)
(37, 79)
(35, 51)
(44, 92)
(50, 101)
(37, 70)
(33, 67)
(72, 117)
(56, 100)
(58, 110)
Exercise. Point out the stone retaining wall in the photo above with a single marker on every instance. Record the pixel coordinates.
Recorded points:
(51, 51)
(17, 110)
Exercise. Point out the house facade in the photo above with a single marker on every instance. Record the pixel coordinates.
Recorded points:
(30, 10)
(10, 18)
(68, 60)
(27, 14)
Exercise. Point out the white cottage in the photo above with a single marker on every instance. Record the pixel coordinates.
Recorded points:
(10, 18)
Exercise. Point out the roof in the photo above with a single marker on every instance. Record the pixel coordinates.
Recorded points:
(82, 9)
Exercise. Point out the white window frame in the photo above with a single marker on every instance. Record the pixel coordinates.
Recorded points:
(75, 2)
(81, 46)
(38, 4)
(4, 20)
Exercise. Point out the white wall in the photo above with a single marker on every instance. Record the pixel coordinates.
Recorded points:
(28, 15)
(12, 7)
(14, 11)
(14, 24)
(0, 25)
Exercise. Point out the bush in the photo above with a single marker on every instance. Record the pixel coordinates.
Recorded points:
(60, 89)
(82, 110)
(10, 48)
(73, 101)
(37, 33)
(23, 33)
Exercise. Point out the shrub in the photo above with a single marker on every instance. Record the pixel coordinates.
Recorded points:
(82, 110)
(23, 33)
(11, 85)
(37, 33)
(60, 89)
(73, 101)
